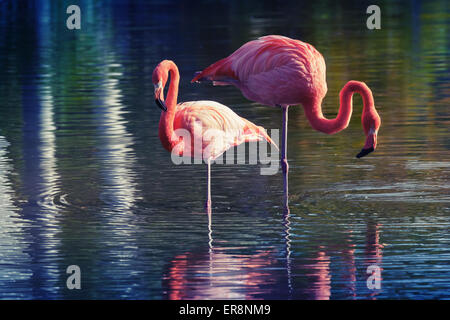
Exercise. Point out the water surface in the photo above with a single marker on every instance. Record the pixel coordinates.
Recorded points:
(84, 179)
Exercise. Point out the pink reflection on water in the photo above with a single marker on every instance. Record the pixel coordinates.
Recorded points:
(374, 252)
(320, 271)
(350, 267)
(220, 275)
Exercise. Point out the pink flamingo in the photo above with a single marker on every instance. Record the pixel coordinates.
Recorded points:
(216, 126)
(279, 71)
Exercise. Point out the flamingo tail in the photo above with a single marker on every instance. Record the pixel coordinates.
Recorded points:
(220, 73)
(256, 133)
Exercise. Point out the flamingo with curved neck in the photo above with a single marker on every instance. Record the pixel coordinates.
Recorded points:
(214, 125)
(278, 71)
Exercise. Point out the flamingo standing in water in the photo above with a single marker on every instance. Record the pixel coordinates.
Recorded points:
(215, 125)
(279, 72)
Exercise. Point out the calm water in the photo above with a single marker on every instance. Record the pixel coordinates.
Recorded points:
(84, 179)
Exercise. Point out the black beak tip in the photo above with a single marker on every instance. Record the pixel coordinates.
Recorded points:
(161, 104)
(364, 152)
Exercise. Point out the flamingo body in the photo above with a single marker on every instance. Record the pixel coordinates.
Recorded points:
(272, 70)
(215, 125)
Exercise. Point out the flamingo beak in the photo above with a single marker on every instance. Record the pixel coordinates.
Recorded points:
(159, 98)
(160, 103)
(370, 145)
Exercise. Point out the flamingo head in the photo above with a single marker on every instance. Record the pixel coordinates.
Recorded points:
(159, 79)
(371, 123)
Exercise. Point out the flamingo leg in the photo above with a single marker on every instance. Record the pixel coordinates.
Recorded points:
(284, 162)
(208, 196)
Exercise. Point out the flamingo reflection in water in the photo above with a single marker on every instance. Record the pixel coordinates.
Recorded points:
(374, 253)
(219, 274)
(320, 268)
(216, 272)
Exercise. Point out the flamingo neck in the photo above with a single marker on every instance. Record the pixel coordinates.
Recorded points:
(167, 117)
(313, 109)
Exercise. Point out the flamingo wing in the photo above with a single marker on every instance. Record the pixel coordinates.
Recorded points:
(271, 70)
(216, 128)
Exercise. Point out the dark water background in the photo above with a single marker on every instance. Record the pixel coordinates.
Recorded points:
(84, 179)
